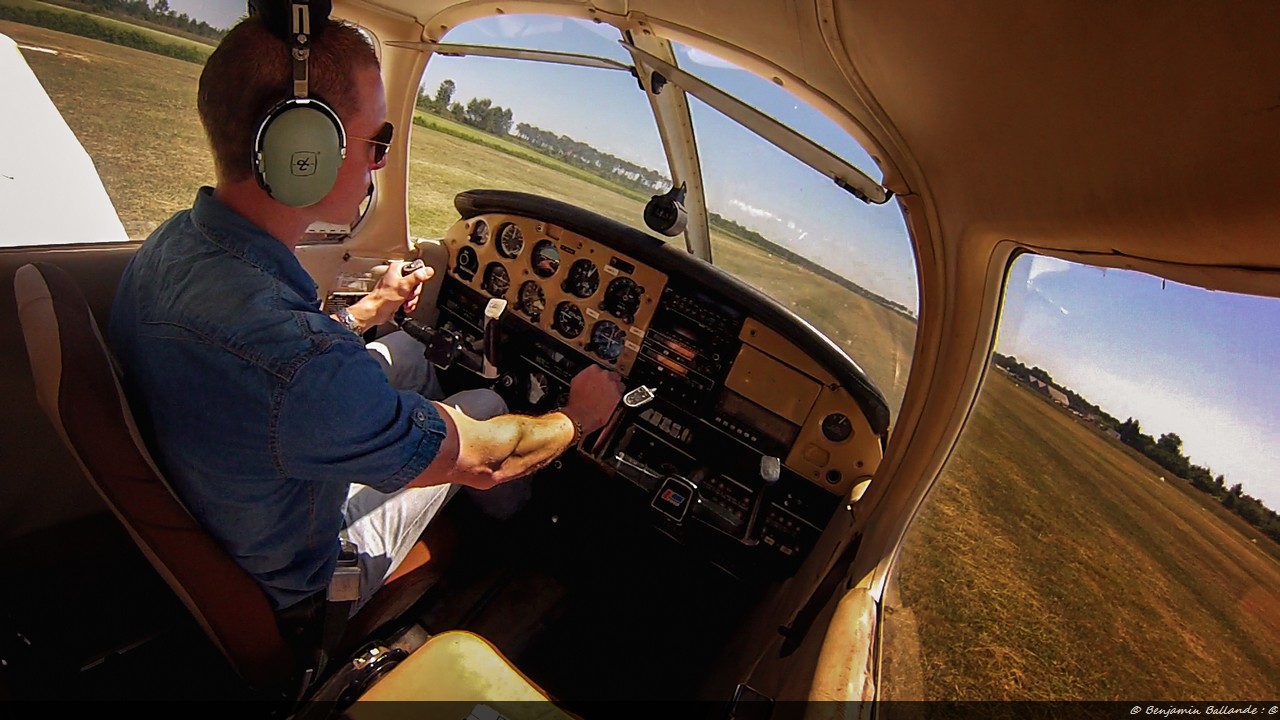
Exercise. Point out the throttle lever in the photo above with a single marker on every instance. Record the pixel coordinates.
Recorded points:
(492, 312)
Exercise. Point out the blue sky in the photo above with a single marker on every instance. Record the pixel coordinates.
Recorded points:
(1180, 359)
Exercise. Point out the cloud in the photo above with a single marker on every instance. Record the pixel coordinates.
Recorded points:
(753, 211)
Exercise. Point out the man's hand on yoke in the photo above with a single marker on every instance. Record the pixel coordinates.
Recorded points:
(392, 290)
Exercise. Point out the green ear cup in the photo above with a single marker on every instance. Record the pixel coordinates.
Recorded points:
(298, 151)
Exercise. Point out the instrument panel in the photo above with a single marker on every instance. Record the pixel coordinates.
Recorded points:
(584, 294)
(759, 426)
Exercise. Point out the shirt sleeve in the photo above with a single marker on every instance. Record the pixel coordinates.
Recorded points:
(338, 419)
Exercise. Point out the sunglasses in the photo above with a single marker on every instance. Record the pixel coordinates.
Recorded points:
(381, 141)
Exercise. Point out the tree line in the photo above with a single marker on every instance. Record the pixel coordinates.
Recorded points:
(97, 28)
(159, 14)
(1165, 451)
(479, 113)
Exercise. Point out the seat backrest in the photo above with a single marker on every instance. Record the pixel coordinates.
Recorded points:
(78, 387)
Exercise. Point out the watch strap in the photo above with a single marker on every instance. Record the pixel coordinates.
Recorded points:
(347, 320)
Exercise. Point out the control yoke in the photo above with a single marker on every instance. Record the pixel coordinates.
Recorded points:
(443, 347)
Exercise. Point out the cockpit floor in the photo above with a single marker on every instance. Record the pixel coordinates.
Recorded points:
(590, 602)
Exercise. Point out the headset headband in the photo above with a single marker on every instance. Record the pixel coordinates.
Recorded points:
(299, 45)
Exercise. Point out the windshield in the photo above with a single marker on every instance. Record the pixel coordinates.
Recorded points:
(588, 136)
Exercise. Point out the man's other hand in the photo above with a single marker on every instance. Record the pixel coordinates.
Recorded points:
(593, 395)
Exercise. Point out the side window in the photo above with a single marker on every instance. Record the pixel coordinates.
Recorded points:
(128, 93)
(585, 136)
(1106, 526)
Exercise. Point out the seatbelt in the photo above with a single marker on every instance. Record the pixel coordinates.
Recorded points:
(343, 591)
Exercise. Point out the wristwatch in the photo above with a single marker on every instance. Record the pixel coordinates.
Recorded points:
(347, 320)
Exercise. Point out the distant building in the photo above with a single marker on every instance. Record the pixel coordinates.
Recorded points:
(1059, 396)
(1112, 433)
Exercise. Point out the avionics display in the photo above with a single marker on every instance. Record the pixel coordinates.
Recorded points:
(689, 346)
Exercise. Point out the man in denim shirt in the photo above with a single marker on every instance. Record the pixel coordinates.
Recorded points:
(276, 426)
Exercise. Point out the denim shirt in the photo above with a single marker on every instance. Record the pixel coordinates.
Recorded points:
(260, 409)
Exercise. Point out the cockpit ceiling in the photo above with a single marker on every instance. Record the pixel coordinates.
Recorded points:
(1146, 129)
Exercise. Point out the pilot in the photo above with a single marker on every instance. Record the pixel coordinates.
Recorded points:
(276, 426)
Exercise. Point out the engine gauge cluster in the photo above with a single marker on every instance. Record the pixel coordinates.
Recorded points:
(577, 290)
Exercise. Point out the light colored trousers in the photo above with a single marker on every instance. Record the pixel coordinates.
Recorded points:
(384, 526)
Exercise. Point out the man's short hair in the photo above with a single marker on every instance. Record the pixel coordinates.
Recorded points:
(251, 71)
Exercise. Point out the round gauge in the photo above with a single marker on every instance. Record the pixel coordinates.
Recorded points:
(568, 320)
(583, 280)
(496, 280)
(468, 263)
(622, 298)
(531, 301)
(607, 339)
(836, 427)
(479, 233)
(510, 240)
(546, 259)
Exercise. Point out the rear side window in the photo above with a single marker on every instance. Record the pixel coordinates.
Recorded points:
(1106, 527)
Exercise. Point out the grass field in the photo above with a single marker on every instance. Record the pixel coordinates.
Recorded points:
(198, 49)
(135, 114)
(1048, 562)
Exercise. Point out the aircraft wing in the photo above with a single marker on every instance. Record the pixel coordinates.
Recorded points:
(49, 187)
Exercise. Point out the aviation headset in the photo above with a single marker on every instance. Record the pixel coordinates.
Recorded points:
(300, 144)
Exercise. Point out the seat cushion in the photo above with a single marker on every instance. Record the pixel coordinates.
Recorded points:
(464, 668)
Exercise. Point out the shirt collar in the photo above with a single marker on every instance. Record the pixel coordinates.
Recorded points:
(240, 237)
